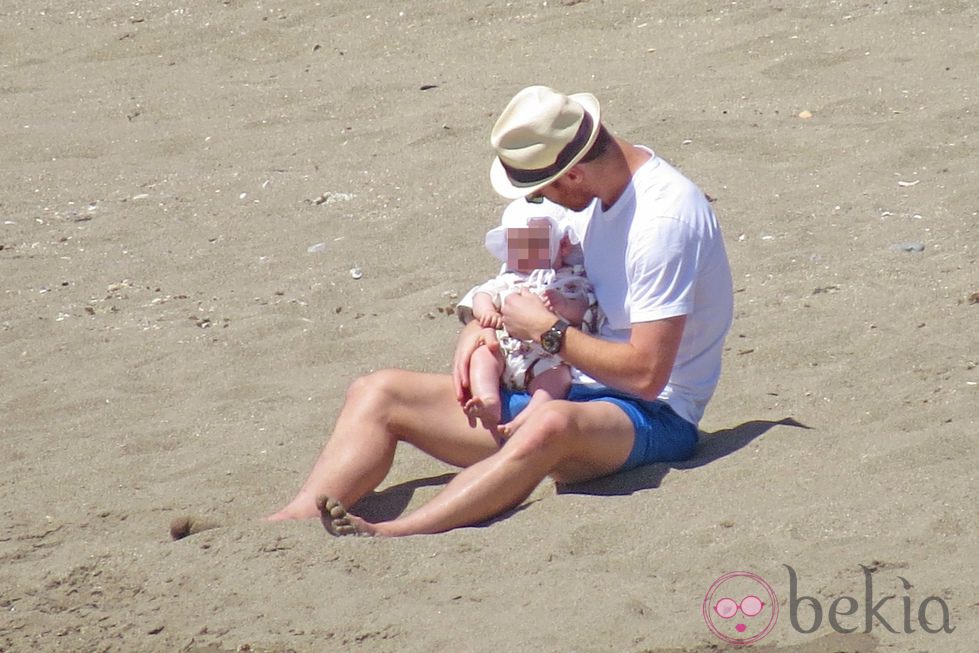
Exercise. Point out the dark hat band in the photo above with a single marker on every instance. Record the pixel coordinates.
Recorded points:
(564, 157)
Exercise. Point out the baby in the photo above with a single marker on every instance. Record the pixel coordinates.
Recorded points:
(533, 246)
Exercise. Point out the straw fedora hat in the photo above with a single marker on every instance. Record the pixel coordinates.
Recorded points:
(540, 136)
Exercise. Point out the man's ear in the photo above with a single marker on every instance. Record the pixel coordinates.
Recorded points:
(575, 175)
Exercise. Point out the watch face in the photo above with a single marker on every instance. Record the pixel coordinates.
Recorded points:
(551, 339)
(551, 342)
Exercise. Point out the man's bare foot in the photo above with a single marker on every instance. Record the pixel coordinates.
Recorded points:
(282, 515)
(338, 522)
(486, 410)
(302, 507)
(186, 525)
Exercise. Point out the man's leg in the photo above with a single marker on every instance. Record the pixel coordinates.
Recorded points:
(380, 410)
(548, 385)
(569, 441)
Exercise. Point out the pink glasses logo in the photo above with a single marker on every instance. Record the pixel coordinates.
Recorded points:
(735, 613)
(750, 606)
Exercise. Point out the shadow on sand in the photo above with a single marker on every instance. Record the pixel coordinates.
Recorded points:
(712, 446)
(391, 502)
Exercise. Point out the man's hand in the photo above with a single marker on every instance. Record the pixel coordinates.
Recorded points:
(472, 337)
(525, 316)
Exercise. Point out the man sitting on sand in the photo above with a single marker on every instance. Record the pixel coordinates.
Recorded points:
(653, 251)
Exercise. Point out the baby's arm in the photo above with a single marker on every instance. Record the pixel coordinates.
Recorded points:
(485, 311)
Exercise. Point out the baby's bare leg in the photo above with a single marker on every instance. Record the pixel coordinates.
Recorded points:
(547, 386)
(485, 368)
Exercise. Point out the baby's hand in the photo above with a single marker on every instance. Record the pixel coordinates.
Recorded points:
(492, 320)
(555, 301)
(572, 309)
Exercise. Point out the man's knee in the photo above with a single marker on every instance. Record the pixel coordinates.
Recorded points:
(377, 388)
(549, 430)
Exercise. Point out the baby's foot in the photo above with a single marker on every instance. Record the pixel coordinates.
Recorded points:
(486, 409)
(507, 430)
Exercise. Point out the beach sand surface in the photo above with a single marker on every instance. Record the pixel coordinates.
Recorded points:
(169, 345)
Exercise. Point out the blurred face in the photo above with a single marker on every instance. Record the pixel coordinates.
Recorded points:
(529, 248)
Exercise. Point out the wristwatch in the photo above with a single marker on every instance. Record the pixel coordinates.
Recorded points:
(553, 339)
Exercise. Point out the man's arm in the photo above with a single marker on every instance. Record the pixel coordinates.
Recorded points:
(639, 367)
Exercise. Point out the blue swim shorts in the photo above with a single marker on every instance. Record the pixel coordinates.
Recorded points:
(660, 434)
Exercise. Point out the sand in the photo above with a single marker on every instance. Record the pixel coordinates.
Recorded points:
(170, 346)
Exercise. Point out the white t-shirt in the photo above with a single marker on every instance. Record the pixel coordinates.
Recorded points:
(658, 253)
